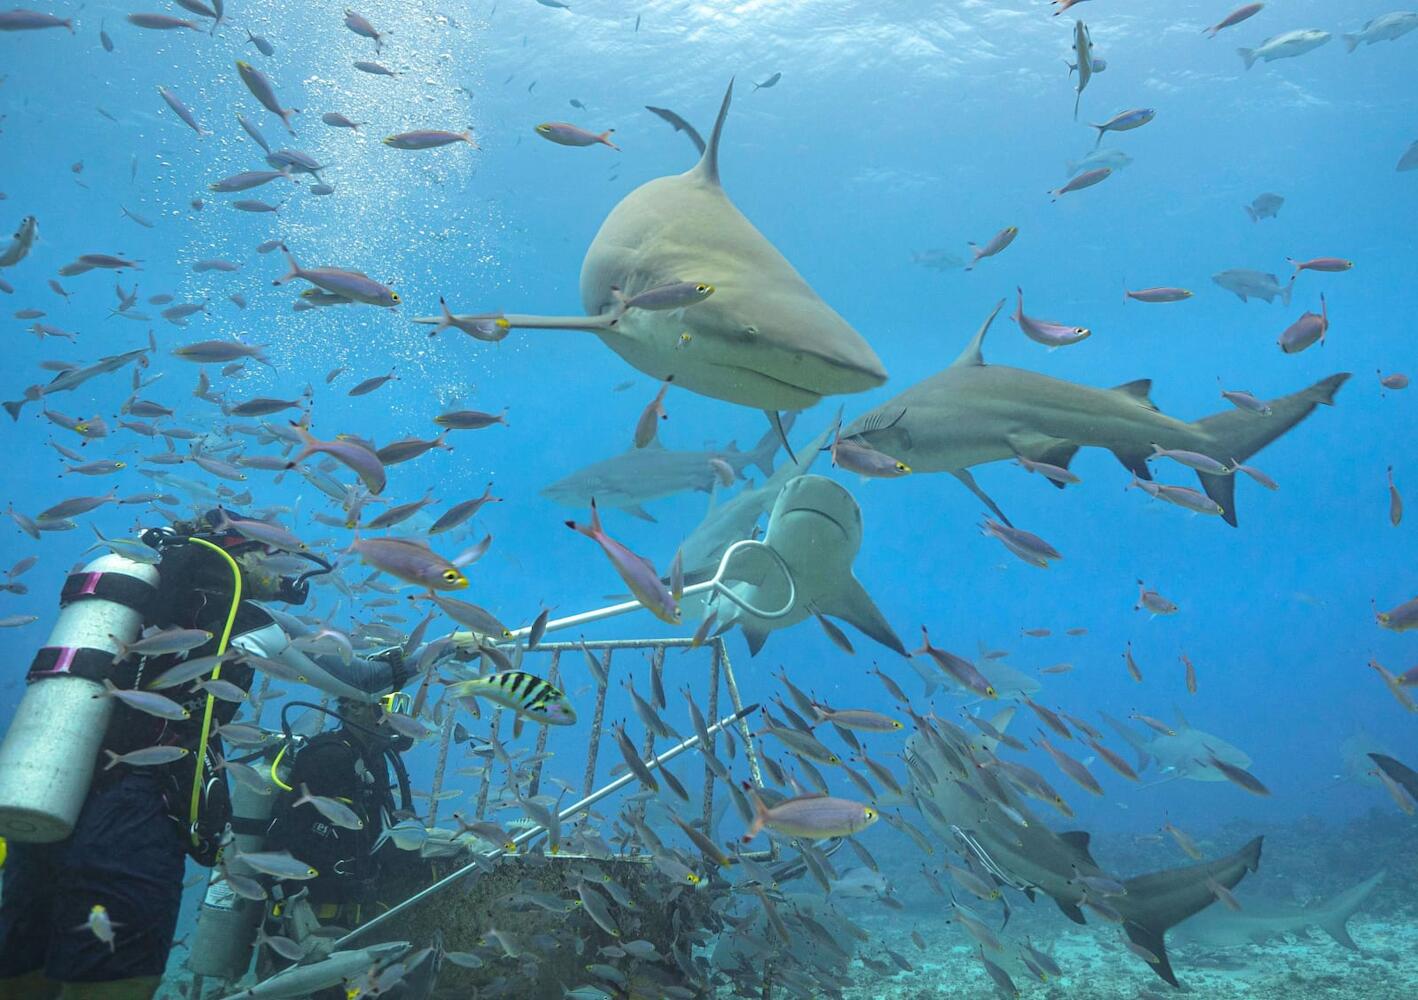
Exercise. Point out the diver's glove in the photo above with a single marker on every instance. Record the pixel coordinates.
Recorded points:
(400, 670)
(292, 590)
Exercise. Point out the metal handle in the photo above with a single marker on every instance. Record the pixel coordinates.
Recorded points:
(715, 583)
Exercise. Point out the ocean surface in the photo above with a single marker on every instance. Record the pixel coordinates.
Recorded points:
(896, 135)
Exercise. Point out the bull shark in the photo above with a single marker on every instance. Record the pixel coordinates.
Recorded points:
(816, 527)
(960, 800)
(973, 413)
(763, 338)
(639, 475)
(1259, 920)
(1183, 754)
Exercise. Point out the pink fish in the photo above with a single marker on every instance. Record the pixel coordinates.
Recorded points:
(637, 572)
(1306, 330)
(1330, 264)
(1234, 18)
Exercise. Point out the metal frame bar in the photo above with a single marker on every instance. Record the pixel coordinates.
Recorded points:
(528, 835)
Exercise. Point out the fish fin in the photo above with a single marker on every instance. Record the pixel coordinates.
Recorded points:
(1071, 911)
(1221, 489)
(767, 446)
(1135, 461)
(1238, 434)
(854, 605)
(1286, 292)
(1161, 900)
(707, 169)
(13, 408)
(1078, 840)
(776, 419)
(1250, 57)
(636, 510)
(1139, 389)
(1251, 212)
(969, 481)
(1132, 739)
(972, 354)
(1333, 915)
(1061, 455)
(679, 125)
(755, 637)
(1351, 42)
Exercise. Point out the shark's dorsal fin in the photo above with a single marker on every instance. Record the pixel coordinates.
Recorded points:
(1181, 719)
(971, 355)
(1002, 718)
(707, 169)
(1138, 389)
(1078, 840)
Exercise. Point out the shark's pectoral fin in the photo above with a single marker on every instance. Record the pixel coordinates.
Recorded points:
(1071, 911)
(965, 477)
(776, 419)
(636, 510)
(1135, 462)
(1078, 840)
(854, 605)
(755, 636)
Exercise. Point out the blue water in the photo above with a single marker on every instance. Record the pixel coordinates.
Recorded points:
(895, 129)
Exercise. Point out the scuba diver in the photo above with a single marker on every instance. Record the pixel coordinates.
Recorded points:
(92, 916)
(359, 766)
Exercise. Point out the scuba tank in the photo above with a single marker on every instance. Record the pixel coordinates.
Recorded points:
(48, 757)
(226, 922)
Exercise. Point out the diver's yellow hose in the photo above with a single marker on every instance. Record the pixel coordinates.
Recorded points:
(275, 764)
(201, 749)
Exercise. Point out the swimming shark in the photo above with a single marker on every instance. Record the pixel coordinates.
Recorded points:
(960, 799)
(639, 475)
(816, 528)
(763, 338)
(1183, 754)
(1259, 920)
(306, 980)
(973, 413)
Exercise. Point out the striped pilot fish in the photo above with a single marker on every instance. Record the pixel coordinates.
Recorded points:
(526, 694)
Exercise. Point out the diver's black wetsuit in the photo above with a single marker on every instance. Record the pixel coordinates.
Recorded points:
(129, 846)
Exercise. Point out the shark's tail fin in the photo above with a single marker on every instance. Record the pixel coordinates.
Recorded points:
(1351, 42)
(1155, 903)
(1132, 739)
(1239, 434)
(1248, 55)
(1333, 915)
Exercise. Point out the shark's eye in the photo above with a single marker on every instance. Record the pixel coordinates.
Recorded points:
(751, 330)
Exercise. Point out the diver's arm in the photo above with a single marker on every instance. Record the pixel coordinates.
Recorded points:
(361, 679)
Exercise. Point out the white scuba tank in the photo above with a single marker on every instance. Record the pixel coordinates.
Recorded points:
(226, 922)
(48, 757)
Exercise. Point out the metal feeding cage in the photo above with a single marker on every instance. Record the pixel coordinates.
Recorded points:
(430, 909)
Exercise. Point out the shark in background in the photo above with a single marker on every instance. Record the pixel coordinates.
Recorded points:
(1184, 753)
(637, 476)
(973, 413)
(985, 818)
(764, 338)
(1260, 920)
